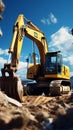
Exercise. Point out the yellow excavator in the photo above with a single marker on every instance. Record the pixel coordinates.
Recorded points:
(51, 76)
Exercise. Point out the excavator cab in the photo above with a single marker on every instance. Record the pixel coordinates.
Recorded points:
(54, 67)
(53, 63)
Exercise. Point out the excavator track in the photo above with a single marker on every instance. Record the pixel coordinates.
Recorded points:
(54, 88)
(60, 87)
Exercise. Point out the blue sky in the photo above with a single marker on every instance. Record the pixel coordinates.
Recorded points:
(53, 17)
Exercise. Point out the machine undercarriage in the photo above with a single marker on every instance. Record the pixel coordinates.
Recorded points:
(51, 88)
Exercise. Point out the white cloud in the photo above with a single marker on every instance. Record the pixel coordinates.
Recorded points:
(4, 52)
(71, 73)
(2, 61)
(22, 64)
(50, 19)
(45, 21)
(22, 69)
(62, 40)
(69, 59)
(53, 18)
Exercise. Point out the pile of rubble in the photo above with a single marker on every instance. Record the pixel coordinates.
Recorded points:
(55, 114)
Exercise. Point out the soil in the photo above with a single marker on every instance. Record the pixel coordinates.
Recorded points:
(36, 113)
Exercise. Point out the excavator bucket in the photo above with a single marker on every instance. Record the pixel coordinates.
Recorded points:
(11, 84)
(12, 87)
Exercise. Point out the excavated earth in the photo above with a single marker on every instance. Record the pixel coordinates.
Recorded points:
(36, 113)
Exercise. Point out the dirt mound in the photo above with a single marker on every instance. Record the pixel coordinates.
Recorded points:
(36, 113)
